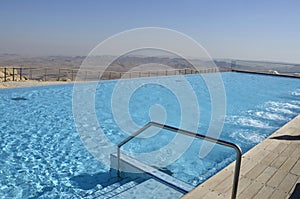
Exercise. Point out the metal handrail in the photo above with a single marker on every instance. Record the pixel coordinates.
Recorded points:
(191, 134)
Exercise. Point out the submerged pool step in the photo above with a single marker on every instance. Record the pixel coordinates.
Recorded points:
(136, 168)
(150, 189)
(114, 189)
(140, 181)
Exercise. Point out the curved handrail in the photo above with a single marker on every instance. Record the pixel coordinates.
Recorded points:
(191, 134)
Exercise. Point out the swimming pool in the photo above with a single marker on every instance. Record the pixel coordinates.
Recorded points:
(42, 155)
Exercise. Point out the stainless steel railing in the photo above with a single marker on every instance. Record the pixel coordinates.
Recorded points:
(191, 134)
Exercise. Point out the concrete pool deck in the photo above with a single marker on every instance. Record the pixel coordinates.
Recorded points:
(269, 170)
(29, 83)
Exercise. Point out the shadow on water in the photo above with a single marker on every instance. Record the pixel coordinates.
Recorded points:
(89, 181)
(85, 182)
(287, 137)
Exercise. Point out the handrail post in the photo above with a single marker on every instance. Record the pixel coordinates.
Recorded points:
(236, 172)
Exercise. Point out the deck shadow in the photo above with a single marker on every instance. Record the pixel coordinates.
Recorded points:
(296, 192)
(287, 137)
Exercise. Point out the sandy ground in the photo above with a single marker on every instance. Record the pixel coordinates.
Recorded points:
(19, 84)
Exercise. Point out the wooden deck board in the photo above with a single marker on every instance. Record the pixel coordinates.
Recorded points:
(265, 192)
(269, 170)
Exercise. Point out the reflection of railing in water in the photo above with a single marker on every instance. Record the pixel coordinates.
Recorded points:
(20, 73)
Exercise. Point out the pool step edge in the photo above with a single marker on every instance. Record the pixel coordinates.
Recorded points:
(133, 167)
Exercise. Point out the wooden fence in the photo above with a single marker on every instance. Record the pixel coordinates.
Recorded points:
(22, 73)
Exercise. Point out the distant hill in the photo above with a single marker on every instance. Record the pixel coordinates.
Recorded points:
(42, 61)
(121, 64)
(125, 63)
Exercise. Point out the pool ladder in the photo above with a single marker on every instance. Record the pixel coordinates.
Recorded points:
(191, 134)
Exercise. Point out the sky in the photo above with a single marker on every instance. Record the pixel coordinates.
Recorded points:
(235, 29)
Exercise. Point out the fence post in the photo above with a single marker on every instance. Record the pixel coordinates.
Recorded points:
(45, 78)
(5, 74)
(13, 74)
(72, 75)
(30, 73)
(233, 64)
(21, 73)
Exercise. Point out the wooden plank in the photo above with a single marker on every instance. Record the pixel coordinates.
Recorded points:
(287, 184)
(266, 175)
(296, 153)
(215, 195)
(277, 178)
(296, 168)
(288, 164)
(278, 162)
(258, 155)
(265, 192)
(256, 171)
(278, 194)
(272, 146)
(199, 192)
(247, 165)
(243, 184)
(290, 149)
(251, 190)
(213, 183)
(225, 185)
(269, 158)
(261, 155)
(280, 148)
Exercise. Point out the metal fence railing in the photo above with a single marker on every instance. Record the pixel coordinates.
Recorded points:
(21, 73)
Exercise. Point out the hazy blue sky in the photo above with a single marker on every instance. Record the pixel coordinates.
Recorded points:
(245, 29)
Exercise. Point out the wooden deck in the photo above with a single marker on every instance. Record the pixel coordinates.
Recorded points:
(269, 170)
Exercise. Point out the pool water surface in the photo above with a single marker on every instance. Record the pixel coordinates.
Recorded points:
(42, 154)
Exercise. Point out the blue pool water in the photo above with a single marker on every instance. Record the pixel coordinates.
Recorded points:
(42, 154)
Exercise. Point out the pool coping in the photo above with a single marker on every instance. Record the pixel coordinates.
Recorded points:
(265, 73)
(270, 169)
